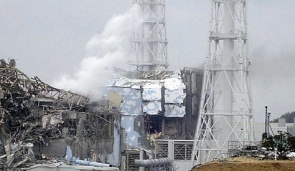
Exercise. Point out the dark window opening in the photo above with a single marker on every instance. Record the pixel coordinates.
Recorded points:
(153, 124)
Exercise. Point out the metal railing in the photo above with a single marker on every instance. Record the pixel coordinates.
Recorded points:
(174, 149)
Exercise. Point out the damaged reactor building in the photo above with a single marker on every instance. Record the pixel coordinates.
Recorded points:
(158, 112)
(145, 116)
(38, 122)
(148, 118)
(145, 121)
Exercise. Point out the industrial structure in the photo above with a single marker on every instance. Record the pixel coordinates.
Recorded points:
(39, 121)
(274, 127)
(158, 110)
(225, 121)
(149, 42)
(147, 117)
(144, 120)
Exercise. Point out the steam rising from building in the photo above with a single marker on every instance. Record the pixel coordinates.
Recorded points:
(106, 50)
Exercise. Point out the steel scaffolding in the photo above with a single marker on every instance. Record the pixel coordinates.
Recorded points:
(225, 109)
(149, 43)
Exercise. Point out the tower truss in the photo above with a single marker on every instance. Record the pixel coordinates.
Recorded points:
(149, 43)
(225, 121)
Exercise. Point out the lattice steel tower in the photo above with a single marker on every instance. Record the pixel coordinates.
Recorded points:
(149, 43)
(225, 122)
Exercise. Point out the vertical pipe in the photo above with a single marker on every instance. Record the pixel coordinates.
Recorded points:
(265, 123)
(141, 158)
(268, 116)
(194, 93)
(228, 115)
(151, 48)
(146, 56)
(163, 125)
(171, 150)
(227, 59)
(224, 102)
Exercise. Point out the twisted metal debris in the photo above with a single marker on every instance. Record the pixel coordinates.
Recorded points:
(14, 81)
(32, 112)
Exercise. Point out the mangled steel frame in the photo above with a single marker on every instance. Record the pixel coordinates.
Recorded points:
(13, 80)
(23, 122)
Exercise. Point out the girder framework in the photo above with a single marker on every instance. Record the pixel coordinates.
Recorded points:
(35, 114)
(12, 80)
(149, 43)
(225, 109)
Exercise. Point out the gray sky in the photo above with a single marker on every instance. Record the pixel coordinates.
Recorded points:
(48, 38)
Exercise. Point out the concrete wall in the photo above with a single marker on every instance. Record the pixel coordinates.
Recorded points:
(92, 137)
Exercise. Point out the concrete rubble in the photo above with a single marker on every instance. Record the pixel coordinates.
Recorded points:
(35, 115)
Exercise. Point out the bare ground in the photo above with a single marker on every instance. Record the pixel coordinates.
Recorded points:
(248, 164)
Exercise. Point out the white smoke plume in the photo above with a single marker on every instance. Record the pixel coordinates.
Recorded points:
(107, 50)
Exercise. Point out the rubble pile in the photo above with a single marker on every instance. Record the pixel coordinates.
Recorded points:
(32, 113)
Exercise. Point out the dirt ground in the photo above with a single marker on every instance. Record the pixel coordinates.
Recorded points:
(248, 164)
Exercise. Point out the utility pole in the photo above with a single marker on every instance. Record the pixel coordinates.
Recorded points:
(268, 125)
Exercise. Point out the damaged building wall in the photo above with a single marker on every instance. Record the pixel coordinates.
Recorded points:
(50, 130)
(131, 115)
(193, 79)
(94, 135)
(38, 122)
(155, 105)
(164, 102)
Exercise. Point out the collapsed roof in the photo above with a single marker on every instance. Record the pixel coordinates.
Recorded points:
(34, 114)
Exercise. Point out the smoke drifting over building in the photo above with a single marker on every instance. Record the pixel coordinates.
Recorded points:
(107, 50)
(141, 115)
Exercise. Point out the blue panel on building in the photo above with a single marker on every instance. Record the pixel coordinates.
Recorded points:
(127, 122)
(152, 107)
(174, 96)
(151, 94)
(131, 104)
(174, 110)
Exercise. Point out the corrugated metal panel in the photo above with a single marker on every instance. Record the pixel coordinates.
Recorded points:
(124, 82)
(174, 90)
(174, 83)
(151, 94)
(131, 104)
(174, 110)
(132, 136)
(134, 83)
(174, 96)
(152, 108)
